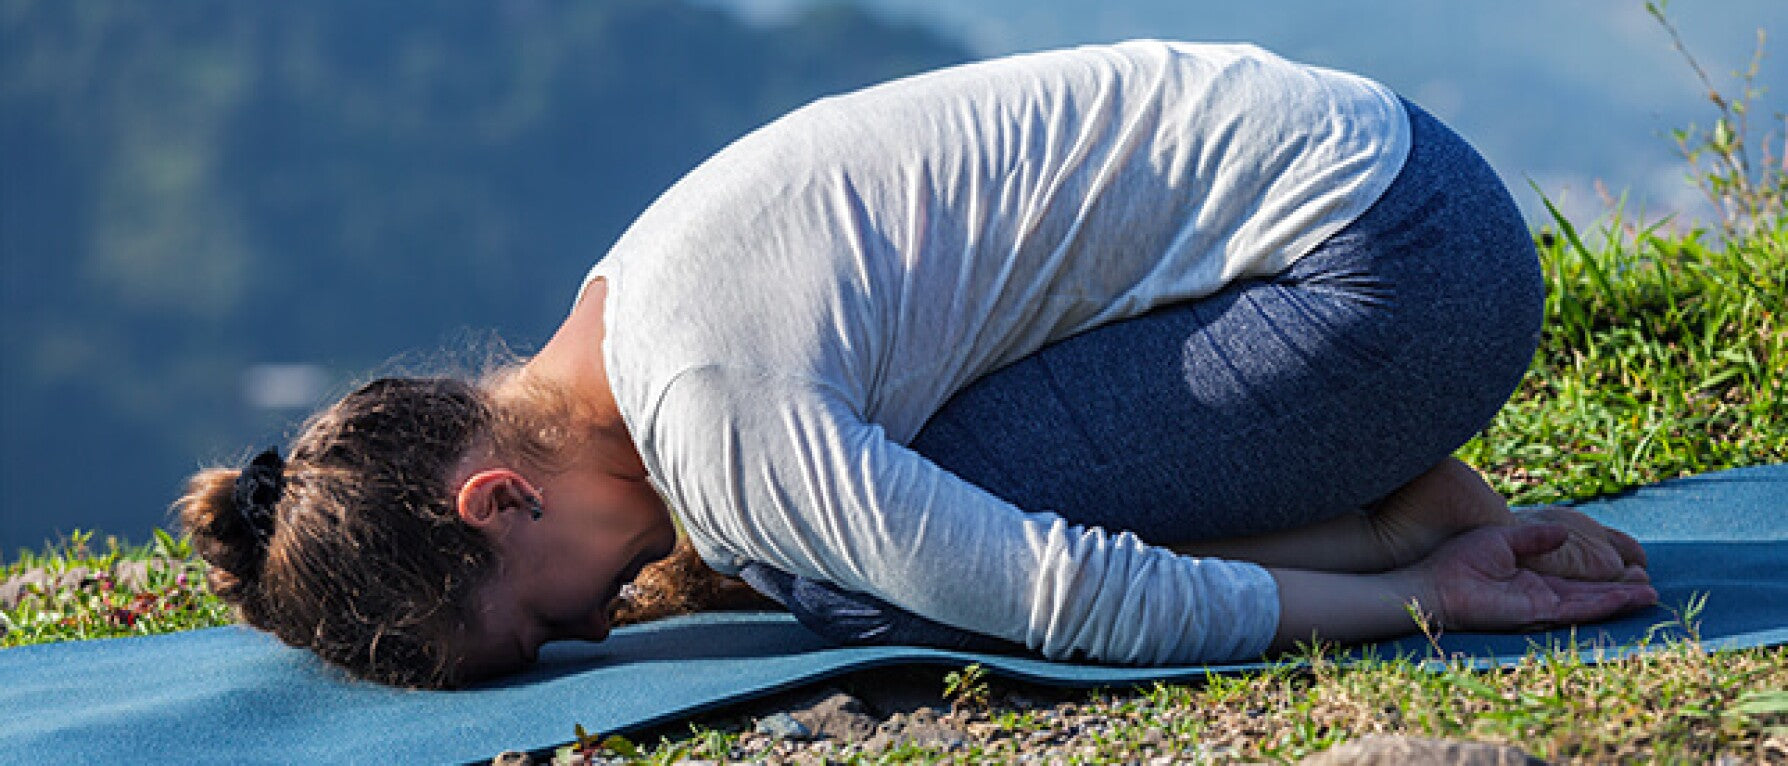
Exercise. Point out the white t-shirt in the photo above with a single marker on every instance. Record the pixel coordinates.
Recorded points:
(787, 316)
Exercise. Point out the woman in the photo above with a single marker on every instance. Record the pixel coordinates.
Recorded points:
(1146, 353)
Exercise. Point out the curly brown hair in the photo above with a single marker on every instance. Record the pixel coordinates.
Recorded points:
(365, 560)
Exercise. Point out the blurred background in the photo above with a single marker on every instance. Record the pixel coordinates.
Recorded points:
(216, 215)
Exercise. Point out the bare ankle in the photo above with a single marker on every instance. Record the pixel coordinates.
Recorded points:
(1444, 501)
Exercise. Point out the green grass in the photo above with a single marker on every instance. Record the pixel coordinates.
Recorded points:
(1675, 703)
(1661, 357)
(169, 596)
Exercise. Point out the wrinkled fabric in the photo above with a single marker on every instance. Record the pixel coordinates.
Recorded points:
(1275, 403)
(784, 320)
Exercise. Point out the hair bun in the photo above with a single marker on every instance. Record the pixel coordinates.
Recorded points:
(257, 491)
(229, 514)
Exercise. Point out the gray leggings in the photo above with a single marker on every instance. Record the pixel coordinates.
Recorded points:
(1272, 404)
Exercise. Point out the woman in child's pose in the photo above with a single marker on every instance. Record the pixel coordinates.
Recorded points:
(1145, 353)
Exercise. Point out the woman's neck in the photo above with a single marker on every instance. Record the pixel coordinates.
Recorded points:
(572, 361)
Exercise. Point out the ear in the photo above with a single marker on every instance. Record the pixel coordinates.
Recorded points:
(486, 495)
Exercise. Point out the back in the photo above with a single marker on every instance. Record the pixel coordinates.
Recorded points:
(787, 316)
(985, 210)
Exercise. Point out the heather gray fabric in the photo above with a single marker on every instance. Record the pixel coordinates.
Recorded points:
(786, 317)
(1274, 403)
(1283, 400)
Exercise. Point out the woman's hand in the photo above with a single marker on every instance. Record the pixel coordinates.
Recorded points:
(1489, 578)
(1480, 580)
(1590, 551)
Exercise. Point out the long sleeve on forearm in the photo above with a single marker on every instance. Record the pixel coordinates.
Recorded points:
(812, 490)
(788, 315)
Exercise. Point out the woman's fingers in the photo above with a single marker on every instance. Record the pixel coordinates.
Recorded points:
(1486, 581)
(1591, 552)
(1580, 601)
(1536, 539)
(1631, 551)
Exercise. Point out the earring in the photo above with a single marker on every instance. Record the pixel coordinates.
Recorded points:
(535, 508)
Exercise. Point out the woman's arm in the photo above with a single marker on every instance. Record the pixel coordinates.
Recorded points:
(1346, 608)
(1473, 582)
(788, 474)
(779, 471)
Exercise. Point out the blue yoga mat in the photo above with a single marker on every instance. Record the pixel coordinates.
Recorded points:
(231, 694)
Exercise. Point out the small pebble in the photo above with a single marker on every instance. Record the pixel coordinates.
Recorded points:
(836, 715)
(511, 758)
(783, 726)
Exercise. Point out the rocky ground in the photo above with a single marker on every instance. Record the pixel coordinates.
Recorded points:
(895, 712)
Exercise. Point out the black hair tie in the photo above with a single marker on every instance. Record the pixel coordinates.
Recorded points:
(258, 488)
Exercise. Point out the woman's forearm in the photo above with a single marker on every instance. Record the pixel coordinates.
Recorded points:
(1476, 581)
(1345, 543)
(1345, 608)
